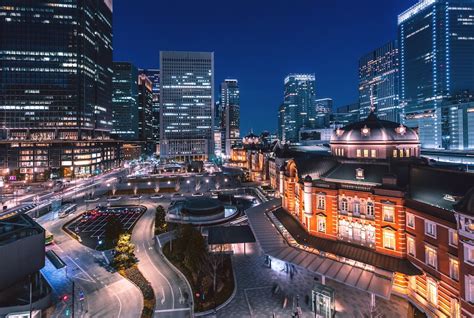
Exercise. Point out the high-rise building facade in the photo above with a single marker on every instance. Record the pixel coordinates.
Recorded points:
(56, 88)
(300, 94)
(125, 101)
(154, 76)
(323, 110)
(186, 105)
(379, 82)
(145, 111)
(281, 122)
(436, 45)
(230, 104)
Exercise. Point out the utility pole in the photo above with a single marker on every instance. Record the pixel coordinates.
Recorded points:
(72, 300)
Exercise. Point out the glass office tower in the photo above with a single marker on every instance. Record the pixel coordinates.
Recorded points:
(186, 105)
(154, 76)
(300, 93)
(55, 88)
(323, 108)
(230, 104)
(379, 82)
(145, 112)
(436, 40)
(125, 101)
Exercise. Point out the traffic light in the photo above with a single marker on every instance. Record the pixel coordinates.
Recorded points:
(65, 298)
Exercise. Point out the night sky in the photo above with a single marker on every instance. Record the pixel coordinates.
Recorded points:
(259, 42)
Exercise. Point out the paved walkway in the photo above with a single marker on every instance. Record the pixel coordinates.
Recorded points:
(254, 296)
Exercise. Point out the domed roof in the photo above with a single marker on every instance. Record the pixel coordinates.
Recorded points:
(373, 129)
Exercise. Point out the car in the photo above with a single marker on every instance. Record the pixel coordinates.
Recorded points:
(156, 196)
(197, 194)
(177, 194)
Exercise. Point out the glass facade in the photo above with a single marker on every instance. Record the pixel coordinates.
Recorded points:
(230, 105)
(323, 112)
(145, 111)
(436, 43)
(125, 101)
(56, 69)
(300, 94)
(379, 82)
(154, 76)
(186, 105)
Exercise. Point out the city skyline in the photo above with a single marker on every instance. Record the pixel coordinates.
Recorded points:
(255, 28)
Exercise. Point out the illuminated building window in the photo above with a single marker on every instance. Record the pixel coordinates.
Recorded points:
(366, 153)
(321, 223)
(453, 238)
(344, 205)
(389, 239)
(395, 153)
(455, 308)
(356, 209)
(360, 174)
(411, 246)
(358, 153)
(407, 152)
(370, 209)
(410, 221)
(401, 153)
(430, 228)
(388, 212)
(321, 201)
(469, 283)
(468, 253)
(432, 291)
(431, 257)
(454, 269)
(373, 153)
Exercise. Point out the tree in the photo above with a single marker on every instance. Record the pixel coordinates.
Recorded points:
(113, 229)
(215, 260)
(124, 253)
(160, 223)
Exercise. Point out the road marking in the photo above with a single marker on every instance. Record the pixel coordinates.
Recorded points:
(181, 298)
(118, 298)
(167, 281)
(85, 273)
(172, 310)
(164, 296)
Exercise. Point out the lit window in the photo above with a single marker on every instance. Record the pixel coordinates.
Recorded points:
(411, 246)
(407, 152)
(401, 153)
(410, 220)
(468, 253)
(388, 213)
(321, 224)
(358, 153)
(431, 257)
(432, 291)
(356, 209)
(373, 153)
(430, 228)
(453, 238)
(321, 202)
(370, 209)
(344, 205)
(395, 153)
(453, 269)
(469, 282)
(389, 239)
(366, 153)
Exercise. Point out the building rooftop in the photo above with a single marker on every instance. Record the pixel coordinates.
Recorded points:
(17, 227)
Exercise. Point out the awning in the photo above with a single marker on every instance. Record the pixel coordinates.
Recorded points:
(378, 282)
(230, 235)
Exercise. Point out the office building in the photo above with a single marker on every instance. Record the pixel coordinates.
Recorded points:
(379, 82)
(186, 105)
(56, 88)
(345, 115)
(323, 110)
(435, 38)
(125, 101)
(230, 105)
(281, 122)
(145, 112)
(154, 76)
(300, 93)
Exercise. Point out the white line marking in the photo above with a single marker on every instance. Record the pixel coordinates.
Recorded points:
(85, 273)
(167, 281)
(171, 310)
(164, 296)
(118, 298)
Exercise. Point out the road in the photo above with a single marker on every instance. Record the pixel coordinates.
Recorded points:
(107, 294)
(169, 287)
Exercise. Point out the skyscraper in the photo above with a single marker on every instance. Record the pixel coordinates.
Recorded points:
(230, 104)
(300, 93)
(125, 101)
(281, 122)
(154, 76)
(436, 45)
(56, 88)
(186, 105)
(145, 113)
(379, 82)
(323, 109)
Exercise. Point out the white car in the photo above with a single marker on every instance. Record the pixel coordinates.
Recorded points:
(197, 194)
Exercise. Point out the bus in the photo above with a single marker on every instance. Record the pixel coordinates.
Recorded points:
(48, 237)
(67, 209)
